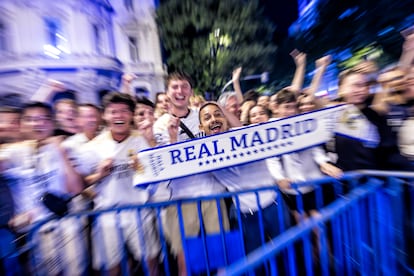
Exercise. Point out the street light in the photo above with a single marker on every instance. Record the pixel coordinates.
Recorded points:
(264, 78)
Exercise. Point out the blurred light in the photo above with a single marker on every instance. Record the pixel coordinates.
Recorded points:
(385, 31)
(61, 37)
(63, 49)
(51, 51)
(348, 12)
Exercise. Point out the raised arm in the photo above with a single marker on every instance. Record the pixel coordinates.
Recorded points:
(236, 84)
(320, 68)
(126, 84)
(300, 62)
(46, 92)
(407, 55)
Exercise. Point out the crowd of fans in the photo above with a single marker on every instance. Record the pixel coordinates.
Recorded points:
(86, 154)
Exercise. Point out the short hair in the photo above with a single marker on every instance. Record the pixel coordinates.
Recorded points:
(145, 101)
(286, 96)
(66, 101)
(205, 105)
(251, 95)
(44, 106)
(265, 109)
(224, 97)
(157, 96)
(179, 75)
(115, 97)
(346, 73)
(10, 110)
(97, 108)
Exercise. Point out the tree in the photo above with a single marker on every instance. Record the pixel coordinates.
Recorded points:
(209, 38)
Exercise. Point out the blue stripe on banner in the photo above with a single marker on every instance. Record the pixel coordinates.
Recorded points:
(235, 147)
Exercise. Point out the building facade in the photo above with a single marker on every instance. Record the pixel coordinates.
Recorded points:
(86, 44)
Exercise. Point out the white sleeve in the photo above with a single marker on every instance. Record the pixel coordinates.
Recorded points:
(275, 168)
(319, 155)
(87, 160)
(161, 135)
(227, 176)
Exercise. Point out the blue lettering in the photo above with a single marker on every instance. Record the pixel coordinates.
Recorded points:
(204, 150)
(256, 139)
(216, 149)
(272, 134)
(310, 125)
(175, 155)
(241, 143)
(189, 153)
(286, 131)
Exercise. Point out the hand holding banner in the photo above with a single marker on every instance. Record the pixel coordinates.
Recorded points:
(237, 146)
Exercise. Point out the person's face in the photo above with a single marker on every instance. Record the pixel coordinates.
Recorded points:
(143, 112)
(287, 109)
(233, 106)
(306, 104)
(354, 89)
(89, 119)
(179, 93)
(263, 101)
(163, 102)
(36, 124)
(65, 115)
(9, 126)
(273, 104)
(212, 120)
(394, 80)
(118, 118)
(258, 114)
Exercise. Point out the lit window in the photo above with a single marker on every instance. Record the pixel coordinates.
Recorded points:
(3, 38)
(133, 49)
(56, 42)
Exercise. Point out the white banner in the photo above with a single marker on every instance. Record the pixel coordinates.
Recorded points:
(237, 146)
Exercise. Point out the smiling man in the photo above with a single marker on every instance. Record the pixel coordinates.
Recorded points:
(167, 129)
(108, 162)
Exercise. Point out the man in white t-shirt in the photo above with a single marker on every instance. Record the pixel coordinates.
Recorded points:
(35, 167)
(250, 176)
(181, 124)
(109, 162)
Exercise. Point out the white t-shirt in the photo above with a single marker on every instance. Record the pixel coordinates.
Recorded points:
(117, 188)
(161, 128)
(298, 167)
(251, 176)
(163, 191)
(31, 173)
(202, 184)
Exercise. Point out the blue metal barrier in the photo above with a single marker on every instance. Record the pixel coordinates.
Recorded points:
(368, 231)
(365, 230)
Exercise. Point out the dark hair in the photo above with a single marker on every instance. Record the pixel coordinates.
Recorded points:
(265, 109)
(251, 95)
(286, 96)
(97, 108)
(157, 95)
(179, 75)
(344, 74)
(41, 105)
(10, 109)
(117, 97)
(205, 105)
(145, 101)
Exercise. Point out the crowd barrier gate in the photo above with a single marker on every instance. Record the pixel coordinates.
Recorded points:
(367, 230)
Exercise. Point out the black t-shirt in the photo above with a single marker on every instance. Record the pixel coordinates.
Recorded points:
(61, 132)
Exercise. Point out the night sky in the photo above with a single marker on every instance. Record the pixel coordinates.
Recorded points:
(281, 12)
